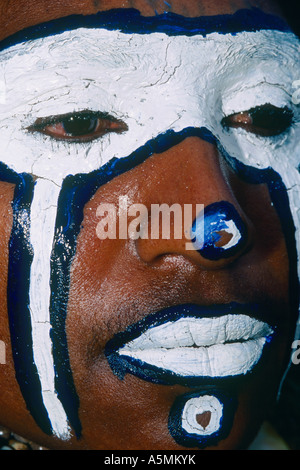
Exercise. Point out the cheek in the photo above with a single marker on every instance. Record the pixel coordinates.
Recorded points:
(110, 288)
(6, 196)
(6, 220)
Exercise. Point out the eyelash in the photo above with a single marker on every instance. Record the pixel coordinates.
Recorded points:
(78, 127)
(85, 126)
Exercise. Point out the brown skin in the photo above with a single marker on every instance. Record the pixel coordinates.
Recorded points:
(136, 279)
(116, 283)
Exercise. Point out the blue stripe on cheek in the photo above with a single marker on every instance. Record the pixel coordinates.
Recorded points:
(280, 200)
(75, 193)
(20, 258)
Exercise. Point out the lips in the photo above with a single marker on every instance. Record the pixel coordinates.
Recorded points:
(189, 342)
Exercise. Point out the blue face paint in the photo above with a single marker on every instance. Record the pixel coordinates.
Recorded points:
(20, 258)
(280, 201)
(219, 218)
(77, 191)
(202, 419)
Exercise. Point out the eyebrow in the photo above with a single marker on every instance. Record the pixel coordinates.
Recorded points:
(130, 21)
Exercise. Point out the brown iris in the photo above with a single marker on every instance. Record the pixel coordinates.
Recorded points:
(83, 126)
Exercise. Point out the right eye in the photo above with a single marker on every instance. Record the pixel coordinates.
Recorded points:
(83, 126)
(265, 121)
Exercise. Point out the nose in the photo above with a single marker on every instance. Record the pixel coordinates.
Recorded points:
(214, 230)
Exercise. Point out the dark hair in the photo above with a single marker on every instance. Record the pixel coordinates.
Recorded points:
(291, 10)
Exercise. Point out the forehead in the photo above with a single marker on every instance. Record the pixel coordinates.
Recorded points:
(131, 21)
(122, 38)
(120, 51)
(121, 65)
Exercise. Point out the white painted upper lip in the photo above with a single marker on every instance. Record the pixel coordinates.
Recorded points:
(223, 346)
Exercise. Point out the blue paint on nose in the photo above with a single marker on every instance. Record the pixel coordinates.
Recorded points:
(222, 234)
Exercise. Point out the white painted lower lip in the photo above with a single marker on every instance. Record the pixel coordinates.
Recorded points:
(211, 347)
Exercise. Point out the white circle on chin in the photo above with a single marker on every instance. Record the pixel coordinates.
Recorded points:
(202, 415)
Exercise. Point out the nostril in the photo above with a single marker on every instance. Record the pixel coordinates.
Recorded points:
(219, 232)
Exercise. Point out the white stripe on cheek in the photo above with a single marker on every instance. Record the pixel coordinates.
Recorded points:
(43, 216)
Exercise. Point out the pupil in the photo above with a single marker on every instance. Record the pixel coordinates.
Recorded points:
(79, 125)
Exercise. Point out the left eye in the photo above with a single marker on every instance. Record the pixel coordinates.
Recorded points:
(266, 120)
(83, 126)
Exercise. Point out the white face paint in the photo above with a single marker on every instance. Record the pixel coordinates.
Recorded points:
(197, 407)
(153, 83)
(232, 229)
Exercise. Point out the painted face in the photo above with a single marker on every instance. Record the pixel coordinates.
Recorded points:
(115, 334)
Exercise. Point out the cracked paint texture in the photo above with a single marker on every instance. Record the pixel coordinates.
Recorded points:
(153, 83)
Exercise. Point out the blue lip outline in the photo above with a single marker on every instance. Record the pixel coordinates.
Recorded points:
(122, 365)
